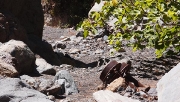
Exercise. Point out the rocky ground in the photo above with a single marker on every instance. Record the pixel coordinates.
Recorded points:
(31, 71)
(65, 67)
(89, 56)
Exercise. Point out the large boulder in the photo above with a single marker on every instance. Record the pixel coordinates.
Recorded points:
(14, 90)
(8, 65)
(10, 28)
(24, 56)
(168, 86)
(28, 12)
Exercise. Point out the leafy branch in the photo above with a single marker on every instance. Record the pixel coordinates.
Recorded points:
(145, 23)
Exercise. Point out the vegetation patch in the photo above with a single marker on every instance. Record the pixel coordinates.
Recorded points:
(144, 23)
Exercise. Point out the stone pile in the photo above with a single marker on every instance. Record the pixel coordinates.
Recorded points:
(17, 60)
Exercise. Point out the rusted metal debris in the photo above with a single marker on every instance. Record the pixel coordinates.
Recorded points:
(117, 74)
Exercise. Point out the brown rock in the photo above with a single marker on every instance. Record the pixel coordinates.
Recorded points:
(119, 82)
(7, 70)
(54, 89)
(8, 65)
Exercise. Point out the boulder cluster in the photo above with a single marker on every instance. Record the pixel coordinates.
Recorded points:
(24, 55)
(17, 66)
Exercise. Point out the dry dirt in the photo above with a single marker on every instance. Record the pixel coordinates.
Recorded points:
(87, 79)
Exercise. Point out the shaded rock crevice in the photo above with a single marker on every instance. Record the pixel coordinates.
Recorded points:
(28, 12)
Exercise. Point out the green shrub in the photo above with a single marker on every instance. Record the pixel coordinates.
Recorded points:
(144, 23)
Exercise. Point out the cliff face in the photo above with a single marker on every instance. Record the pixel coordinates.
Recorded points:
(28, 12)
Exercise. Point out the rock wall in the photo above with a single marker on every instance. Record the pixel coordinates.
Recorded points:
(28, 12)
(11, 28)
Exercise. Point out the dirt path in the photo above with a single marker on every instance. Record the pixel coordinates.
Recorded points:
(145, 67)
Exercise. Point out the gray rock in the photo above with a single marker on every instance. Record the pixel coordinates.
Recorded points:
(44, 68)
(24, 56)
(105, 37)
(111, 22)
(99, 51)
(69, 83)
(143, 94)
(74, 51)
(32, 99)
(64, 100)
(14, 90)
(44, 85)
(66, 66)
(127, 94)
(168, 86)
(73, 38)
(29, 80)
(100, 33)
(78, 39)
(80, 34)
(63, 38)
(109, 96)
(51, 97)
(99, 39)
(84, 53)
(152, 92)
(84, 41)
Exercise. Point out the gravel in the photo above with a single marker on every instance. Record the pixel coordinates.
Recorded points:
(94, 54)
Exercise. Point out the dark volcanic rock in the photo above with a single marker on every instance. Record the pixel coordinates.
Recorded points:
(10, 28)
(28, 12)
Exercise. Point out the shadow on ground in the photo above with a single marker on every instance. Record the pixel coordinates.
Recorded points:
(66, 59)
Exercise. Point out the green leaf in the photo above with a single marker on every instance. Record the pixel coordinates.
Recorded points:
(86, 33)
(159, 53)
(111, 42)
(118, 43)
